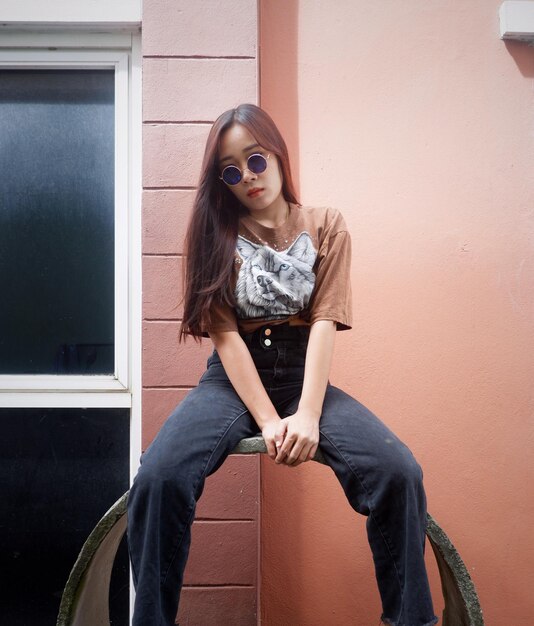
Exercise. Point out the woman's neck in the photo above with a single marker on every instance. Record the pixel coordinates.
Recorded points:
(274, 215)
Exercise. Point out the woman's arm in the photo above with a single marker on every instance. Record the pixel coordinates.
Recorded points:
(242, 372)
(302, 428)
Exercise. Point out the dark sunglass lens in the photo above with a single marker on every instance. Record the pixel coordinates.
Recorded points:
(257, 163)
(231, 175)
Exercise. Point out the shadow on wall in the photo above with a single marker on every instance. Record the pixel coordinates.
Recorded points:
(279, 75)
(279, 97)
(523, 56)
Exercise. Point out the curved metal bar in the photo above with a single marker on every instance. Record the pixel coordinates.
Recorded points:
(85, 600)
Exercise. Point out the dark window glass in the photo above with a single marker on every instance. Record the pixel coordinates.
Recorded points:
(57, 221)
(60, 471)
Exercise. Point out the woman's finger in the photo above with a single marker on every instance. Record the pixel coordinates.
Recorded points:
(279, 436)
(295, 453)
(285, 448)
(302, 456)
(305, 454)
(269, 444)
(312, 452)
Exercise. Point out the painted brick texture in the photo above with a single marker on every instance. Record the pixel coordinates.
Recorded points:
(212, 28)
(198, 60)
(218, 605)
(166, 212)
(172, 87)
(172, 154)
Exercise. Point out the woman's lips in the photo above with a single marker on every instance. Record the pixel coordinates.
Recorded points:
(253, 193)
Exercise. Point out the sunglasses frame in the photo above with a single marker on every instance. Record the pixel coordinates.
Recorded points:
(242, 171)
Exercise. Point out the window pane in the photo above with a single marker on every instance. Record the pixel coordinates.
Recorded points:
(57, 221)
(60, 469)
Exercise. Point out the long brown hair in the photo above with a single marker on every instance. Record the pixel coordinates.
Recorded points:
(212, 231)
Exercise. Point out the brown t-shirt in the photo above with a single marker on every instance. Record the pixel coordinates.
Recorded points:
(298, 272)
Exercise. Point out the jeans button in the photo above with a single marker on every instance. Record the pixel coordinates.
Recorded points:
(267, 342)
(267, 331)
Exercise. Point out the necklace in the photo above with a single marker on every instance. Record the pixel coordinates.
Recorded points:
(276, 237)
(264, 235)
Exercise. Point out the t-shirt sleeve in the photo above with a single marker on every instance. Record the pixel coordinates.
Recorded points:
(223, 318)
(332, 295)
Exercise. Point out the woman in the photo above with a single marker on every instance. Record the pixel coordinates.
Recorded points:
(268, 281)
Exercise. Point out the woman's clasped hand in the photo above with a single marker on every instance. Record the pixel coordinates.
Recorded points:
(294, 439)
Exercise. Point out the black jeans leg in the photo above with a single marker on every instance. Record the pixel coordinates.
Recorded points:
(383, 481)
(192, 444)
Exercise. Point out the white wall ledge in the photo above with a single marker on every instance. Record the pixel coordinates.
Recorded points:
(91, 15)
(517, 20)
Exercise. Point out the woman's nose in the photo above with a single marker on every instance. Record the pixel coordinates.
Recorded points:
(248, 175)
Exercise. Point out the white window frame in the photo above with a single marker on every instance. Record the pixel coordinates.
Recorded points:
(121, 52)
(66, 26)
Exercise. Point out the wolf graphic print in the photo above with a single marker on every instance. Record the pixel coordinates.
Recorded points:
(274, 283)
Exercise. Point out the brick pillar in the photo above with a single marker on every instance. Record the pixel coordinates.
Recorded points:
(199, 59)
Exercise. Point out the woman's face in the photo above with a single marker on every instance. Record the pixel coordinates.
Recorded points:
(256, 192)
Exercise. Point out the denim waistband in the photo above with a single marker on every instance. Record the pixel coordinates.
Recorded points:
(271, 336)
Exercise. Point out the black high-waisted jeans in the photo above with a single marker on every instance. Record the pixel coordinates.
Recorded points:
(378, 473)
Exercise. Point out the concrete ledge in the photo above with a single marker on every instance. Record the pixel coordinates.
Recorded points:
(85, 598)
(257, 444)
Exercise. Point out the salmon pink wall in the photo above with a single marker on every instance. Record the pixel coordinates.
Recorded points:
(416, 121)
(199, 59)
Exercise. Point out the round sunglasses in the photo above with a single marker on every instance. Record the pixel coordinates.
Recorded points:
(256, 163)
